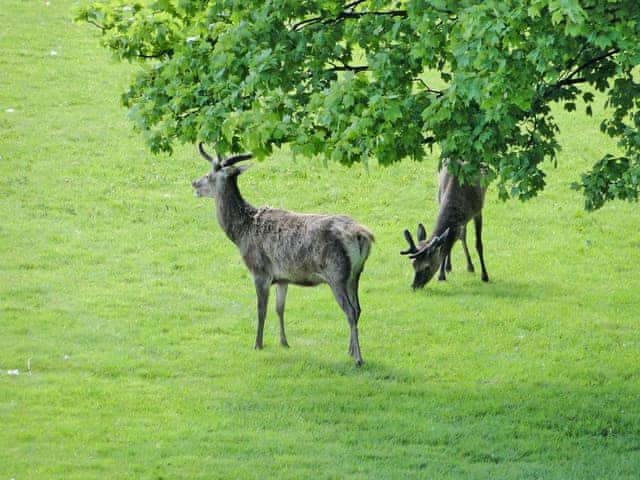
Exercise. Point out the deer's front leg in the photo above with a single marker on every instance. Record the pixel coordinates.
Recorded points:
(463, 239)
(443, 267)
(446, 253)
(262, 293)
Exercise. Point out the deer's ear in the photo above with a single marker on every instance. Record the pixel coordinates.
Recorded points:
(412, 246)
(422, 233)
(241, 169)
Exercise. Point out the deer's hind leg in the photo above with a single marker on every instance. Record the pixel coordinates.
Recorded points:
(349, 303)
(354, 299)
(281, 296)
(478, 224)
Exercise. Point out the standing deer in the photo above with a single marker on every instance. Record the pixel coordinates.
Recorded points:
(458, 205)
(280, 247)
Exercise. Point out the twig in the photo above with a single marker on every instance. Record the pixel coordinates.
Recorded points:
(437, 93)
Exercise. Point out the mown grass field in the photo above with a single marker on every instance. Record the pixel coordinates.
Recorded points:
(131, 318)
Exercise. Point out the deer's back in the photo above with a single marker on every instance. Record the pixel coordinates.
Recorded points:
(304, 248)
(463, 201)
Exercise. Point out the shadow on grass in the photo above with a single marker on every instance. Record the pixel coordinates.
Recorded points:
(382, 416)
(502, 288)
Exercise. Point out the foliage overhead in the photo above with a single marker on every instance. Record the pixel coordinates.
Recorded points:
(382, 79)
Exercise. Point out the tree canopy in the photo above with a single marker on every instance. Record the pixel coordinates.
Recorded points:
(363, 79)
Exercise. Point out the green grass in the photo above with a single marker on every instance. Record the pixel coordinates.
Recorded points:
(137, 317)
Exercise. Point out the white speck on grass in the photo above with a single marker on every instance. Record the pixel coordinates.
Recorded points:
(191, 39)
(53, 53)
(9, 110)
(13, 373)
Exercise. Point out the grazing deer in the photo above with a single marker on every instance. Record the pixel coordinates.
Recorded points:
(458, 205)
(282, 248)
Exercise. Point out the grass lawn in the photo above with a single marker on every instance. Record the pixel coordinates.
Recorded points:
(131, 318)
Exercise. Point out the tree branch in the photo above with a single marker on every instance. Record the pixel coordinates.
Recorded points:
(352, 5)
(570, 80)
(348, 68)
(95, 24)
(187, 113)
(306, 23)
(391, 13)
(348, 13)
(549, 91)
(169, 53)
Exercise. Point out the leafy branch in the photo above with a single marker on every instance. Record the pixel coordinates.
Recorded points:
(348, 13)
(570, 78)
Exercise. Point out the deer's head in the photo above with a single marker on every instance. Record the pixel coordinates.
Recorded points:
(221, 171)
(426, 258)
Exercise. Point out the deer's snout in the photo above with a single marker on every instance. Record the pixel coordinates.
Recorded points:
(420, 280)
(196, 187)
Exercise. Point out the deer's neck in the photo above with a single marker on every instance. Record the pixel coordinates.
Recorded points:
(234, 214)
(451, 218)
